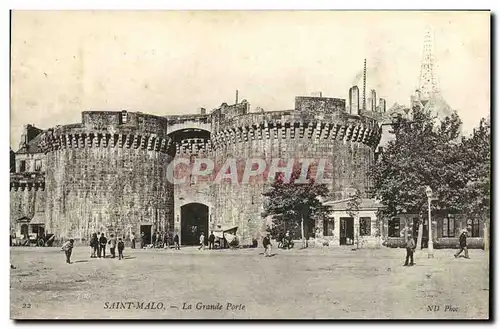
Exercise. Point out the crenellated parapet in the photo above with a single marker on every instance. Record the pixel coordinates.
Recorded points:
(53, 140)
(314, 130)
(193, 146)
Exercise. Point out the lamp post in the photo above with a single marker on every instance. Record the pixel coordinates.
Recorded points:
(428, 192)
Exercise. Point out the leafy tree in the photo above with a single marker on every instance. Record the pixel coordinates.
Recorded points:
(422, 154)
(353, 204)
(289, 203)
(475, 162)
(426, 153)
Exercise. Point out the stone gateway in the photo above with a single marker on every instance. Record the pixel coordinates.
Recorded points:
(109, 173)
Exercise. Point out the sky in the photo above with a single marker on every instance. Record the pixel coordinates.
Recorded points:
(173, 62)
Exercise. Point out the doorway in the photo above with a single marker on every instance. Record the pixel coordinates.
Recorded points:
(194, 221)
(146, 229)
(346, 231)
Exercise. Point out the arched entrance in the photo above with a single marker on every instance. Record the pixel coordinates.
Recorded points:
(194, 221)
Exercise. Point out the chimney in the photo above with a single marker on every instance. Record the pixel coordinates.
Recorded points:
(203, 110)
(236, 96)
(364, 86)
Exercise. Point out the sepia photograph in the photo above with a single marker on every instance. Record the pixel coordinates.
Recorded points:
(258, 165)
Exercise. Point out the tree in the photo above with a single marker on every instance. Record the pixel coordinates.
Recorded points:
(353, 210)
(475, 162)
(426, 153)
(422, 154)
(292, 204)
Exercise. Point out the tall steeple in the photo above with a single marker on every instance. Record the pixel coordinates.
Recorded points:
(428, 95)
(427, 84)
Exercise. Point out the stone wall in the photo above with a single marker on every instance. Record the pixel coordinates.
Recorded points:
(108, 175)
(26, 201)
(346, 142)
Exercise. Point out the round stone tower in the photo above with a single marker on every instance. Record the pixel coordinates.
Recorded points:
(318, 128)
(109, 174)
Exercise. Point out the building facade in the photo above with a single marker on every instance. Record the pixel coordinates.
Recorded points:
(109, 173)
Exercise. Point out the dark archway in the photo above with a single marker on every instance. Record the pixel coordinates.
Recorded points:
(194, 221)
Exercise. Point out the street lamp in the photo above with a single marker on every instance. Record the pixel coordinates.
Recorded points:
(428, 192)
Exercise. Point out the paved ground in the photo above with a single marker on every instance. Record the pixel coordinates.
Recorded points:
(310, 283)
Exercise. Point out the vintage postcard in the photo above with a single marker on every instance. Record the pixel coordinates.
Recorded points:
(250, 165)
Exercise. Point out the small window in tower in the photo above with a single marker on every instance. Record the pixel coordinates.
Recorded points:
(123, 117)
(22, 166)
(38, 165)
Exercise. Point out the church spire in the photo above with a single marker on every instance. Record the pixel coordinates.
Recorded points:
(427, 83)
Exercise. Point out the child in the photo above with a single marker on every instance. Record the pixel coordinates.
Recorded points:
(121, 246)
(68, 248)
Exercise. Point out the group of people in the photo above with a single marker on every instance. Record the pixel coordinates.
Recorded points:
(410, 248)
(211, 241)
(98, 246)
(158, 240)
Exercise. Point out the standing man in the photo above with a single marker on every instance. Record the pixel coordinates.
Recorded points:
(176, 242)
(68, 248)
(102, 246)
(463, 244)
(153, 239)
(410, 249)
(143, 236)
(94, 245)
(211, 240)
(121, 246)
(132, 240)
(112, 247)
(267, 245)
(202, 241)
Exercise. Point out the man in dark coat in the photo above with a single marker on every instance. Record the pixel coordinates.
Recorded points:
(463, 244)
(211, 240)
(121, 246)
(176, 242)
(102, 246)
(410, 249)
(267, 245)
(94, 245)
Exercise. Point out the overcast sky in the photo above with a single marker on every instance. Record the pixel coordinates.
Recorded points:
(175, 62)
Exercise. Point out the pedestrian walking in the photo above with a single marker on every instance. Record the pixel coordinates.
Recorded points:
(121, 246)
(267, 245)
(463, 244)
(112, 245)
(410, 249)
(94, 245)
(102, 246)
(68, 248)
(202, 241)
(211, 240)
(132, 240)
(166, 240)
(176, 242)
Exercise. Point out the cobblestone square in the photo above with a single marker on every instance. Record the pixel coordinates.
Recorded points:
(317, 283)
